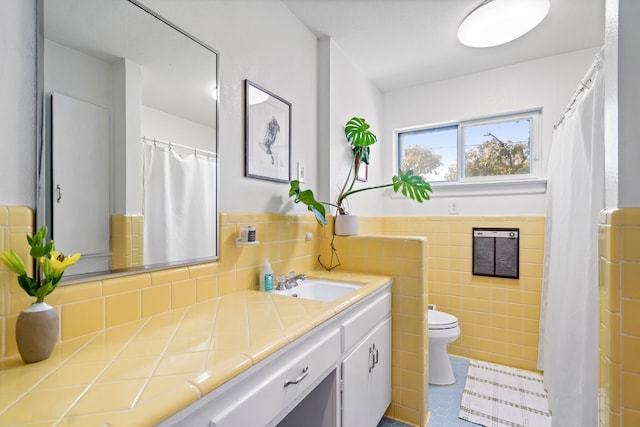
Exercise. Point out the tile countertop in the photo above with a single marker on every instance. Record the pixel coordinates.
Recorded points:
(145, 371)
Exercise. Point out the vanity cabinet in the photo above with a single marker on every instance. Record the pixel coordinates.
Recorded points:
(337, 374)
(366, 369)
(261, 395)
(281, 384)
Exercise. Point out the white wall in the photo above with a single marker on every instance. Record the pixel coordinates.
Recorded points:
(93, 84)
(160, 125)
(264, 42)
(628, 102)
(261, 41)
(622, 96)
(546, 83)
(344, 92)
(351, 94)
(17, 103)
(111, 86)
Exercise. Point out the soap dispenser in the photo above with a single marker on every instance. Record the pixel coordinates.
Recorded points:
(266, 277)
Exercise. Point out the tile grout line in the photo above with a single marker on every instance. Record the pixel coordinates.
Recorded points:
(31, 389)
(110, 363)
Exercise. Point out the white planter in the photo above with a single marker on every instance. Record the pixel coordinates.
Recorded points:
(347, 225)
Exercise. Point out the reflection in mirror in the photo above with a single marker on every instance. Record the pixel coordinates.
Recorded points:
(129, 167)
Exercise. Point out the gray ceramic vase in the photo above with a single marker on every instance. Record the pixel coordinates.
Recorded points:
(37, 332)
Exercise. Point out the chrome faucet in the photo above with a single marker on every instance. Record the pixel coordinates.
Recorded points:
(292, 280)
(288, 282)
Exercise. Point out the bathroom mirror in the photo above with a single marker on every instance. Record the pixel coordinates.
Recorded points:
(128, 167)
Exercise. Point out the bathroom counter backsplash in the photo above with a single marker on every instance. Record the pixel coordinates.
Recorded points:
(141, 372)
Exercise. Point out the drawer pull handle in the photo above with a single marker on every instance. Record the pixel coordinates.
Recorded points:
(372, 359)
(302, 376)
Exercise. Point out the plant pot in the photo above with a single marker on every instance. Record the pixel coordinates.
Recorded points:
(37, 332)
(347, 225)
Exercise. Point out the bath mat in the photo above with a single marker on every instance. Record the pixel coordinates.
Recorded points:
(497, 396)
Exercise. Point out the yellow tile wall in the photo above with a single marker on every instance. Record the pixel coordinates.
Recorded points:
(15, 223)
(127, 241)
(498, 317)
(91, 306)
(619, 335)
(405, 259)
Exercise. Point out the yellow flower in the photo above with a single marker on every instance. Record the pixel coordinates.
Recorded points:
(13, 262)
(58, 262)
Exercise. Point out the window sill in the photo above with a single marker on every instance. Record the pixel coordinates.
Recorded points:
(490, 188)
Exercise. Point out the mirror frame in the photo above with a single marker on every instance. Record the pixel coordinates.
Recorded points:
(43, 190)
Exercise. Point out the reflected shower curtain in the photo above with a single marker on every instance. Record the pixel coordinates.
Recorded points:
(179, 206)
(569, 315)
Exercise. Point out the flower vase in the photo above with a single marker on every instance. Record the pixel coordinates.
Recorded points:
(37, 332)
(347, 225)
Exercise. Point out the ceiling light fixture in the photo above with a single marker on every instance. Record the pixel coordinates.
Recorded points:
(496, 22)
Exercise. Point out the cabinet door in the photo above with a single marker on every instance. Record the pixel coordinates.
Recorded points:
(366, 375)
(80, 168)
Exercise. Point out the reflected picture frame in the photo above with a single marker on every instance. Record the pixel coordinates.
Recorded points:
(363, 171)
(267, 134)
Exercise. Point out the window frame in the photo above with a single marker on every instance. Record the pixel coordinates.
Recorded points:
(495, 184)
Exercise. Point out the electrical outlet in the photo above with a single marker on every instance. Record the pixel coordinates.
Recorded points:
(453, 207)
(300, 172)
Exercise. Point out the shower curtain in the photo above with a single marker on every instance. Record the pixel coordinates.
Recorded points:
(569, 314)
(179, 212)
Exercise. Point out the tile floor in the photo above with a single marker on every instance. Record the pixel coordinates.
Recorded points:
(444, 401)
(386, 422)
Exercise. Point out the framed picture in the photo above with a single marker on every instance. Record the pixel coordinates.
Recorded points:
(363, 172)
(267, 134)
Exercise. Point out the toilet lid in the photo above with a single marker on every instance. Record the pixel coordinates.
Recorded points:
(440, 320)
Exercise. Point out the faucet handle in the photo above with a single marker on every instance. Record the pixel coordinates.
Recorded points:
(282, 282)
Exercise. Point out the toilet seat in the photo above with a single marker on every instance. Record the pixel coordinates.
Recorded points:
(439, 320)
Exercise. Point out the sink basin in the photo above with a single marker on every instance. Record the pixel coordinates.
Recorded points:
(320, 290)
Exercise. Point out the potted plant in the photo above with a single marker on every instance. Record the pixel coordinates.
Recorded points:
(37, 326)
(361, 139)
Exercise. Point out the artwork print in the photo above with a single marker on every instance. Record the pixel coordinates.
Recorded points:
(267, 135)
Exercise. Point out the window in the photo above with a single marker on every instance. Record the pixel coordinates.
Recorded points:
(488, 149)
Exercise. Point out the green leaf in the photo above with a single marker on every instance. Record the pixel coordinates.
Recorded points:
(27, 284)
(44, 290)
(308, 199)
(412, 186)
(294, 187)
(361, 154)
(37, 252)
(49, 247)
(320, 215)
(358, 134)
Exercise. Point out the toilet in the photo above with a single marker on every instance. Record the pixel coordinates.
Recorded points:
(443, 329)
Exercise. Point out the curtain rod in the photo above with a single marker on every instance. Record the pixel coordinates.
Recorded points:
(186, 147)
(585, 84)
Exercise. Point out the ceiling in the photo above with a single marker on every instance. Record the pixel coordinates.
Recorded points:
(402, 43)
(110, 31)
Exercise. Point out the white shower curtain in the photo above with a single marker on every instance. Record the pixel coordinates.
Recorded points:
(179, 206)
(569, 315)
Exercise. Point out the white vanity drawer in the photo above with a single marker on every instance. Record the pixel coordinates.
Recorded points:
(360, 324)
(265, 396)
